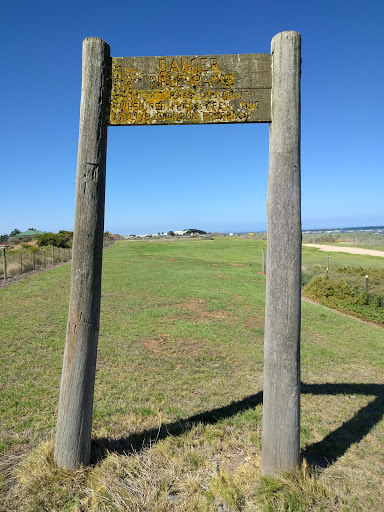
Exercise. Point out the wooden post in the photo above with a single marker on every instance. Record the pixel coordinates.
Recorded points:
(44, 258)
(34, 260)
(5, 265)
(21, 262)
(281, 397)
(74, 424)
(53, 255)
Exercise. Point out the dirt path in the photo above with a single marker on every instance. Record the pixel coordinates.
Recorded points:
(349, 250)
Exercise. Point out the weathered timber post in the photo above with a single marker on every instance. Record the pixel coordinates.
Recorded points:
(74, 424)
(281, 396)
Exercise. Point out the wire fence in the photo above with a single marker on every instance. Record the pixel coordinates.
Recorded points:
(14, 262)
(19, 261)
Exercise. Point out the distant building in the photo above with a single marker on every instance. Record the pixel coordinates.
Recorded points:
(26, 236)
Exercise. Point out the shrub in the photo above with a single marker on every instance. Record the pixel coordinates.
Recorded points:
(308, 273)
(363, 299)
(64, 239)
(45, 239)
(322, 287)
(60, 239)
(348, 297)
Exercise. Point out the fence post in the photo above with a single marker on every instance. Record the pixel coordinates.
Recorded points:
(74, 423)
(21, 262)
(34, 260)
(281, 395)
(5, 265)
(53, 255)
(44, 257)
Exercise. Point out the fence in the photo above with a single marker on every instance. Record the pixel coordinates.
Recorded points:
(18, 261)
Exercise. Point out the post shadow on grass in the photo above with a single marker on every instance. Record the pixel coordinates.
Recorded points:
(322, 453)
(336, 443)
(137, 442)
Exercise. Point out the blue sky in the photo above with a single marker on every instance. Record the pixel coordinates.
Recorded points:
(211, 177)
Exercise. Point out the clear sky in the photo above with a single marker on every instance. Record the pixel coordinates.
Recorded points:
(211, 177)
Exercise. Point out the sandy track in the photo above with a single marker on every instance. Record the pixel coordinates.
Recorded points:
(349, 250)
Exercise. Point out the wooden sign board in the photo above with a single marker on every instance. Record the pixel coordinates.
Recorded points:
(191, 90)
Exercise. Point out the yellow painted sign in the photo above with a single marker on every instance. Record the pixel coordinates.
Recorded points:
(191, 90)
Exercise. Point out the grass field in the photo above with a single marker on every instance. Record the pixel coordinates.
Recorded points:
(178, 396)
(344, 286)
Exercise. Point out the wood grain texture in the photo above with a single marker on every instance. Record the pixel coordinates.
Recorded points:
(281, 396)
(74, 424)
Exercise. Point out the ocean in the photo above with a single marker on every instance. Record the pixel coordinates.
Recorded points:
(378, 230)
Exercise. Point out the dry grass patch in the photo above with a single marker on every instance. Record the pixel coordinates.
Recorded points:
(39, 485)
(196, 310)
(174, 347)
(300, 491)
(188, 472)
(254, 323)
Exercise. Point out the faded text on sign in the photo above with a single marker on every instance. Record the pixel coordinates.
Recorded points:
(191, 89)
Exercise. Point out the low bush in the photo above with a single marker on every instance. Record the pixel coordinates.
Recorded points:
(340, 294)
(308, 273)
(321, 287)
(61, 239)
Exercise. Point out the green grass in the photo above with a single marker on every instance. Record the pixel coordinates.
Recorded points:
(344, 286)
(312, 256)
(177, 414)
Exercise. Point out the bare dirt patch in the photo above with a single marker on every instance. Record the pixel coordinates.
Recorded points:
(254, 323)
(153, 345)
(195, 310)
(178, 347)
(349, 250)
